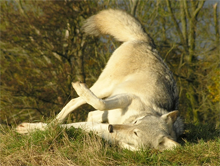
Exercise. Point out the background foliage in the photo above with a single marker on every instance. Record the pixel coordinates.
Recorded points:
(43, 50)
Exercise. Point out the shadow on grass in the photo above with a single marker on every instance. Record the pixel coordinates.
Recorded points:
(195, 132)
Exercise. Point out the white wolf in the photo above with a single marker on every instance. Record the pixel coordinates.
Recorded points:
(135, 96)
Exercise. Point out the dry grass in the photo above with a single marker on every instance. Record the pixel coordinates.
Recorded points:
(75, 147)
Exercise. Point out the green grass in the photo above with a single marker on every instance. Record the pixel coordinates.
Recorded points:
(56, 146)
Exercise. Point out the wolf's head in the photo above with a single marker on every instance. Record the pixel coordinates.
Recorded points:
(148, 131)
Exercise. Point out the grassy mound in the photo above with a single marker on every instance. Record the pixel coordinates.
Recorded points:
(57, 146)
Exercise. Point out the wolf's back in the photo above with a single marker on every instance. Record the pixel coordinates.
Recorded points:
(116, 23)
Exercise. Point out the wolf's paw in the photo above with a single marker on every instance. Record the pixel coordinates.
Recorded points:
(81, 89)
(29, 127)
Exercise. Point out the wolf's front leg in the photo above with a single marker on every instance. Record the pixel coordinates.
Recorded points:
(87, 95)
(114, 102)
(30, 127)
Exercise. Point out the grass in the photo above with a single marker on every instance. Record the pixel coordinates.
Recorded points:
(56, 146)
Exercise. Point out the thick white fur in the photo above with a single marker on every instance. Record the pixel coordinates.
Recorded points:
(134, 84)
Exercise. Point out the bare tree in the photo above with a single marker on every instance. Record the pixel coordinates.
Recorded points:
(43, 51)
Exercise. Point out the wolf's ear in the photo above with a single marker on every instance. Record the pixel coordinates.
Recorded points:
(171, 116)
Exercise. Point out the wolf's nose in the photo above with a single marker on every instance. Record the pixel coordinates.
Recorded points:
(110, 128)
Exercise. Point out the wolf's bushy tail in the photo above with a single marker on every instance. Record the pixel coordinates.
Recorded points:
(117, 23)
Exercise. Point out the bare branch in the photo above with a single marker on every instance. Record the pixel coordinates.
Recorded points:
(216, 24)
(176, 24)
(134, 4)
(184, 23)
(186, 9)
(196, 11)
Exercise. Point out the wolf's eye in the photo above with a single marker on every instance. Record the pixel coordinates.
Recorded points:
(135, 133)
(161, 143)
(135, 122)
